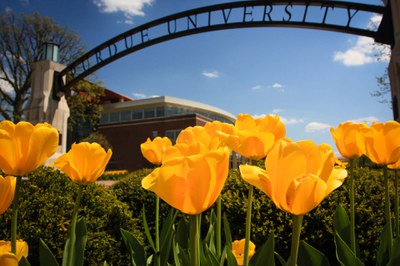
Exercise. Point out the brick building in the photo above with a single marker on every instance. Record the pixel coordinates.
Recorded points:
(127, 123)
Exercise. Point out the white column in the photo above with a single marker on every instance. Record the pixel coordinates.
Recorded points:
(42, 107)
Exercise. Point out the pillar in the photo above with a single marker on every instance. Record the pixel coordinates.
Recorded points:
(43, 106)
(394, 64)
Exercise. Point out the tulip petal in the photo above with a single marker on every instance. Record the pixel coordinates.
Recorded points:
(257, 177)
(305, 193)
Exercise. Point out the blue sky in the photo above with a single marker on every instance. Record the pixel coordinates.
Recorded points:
(313, 79)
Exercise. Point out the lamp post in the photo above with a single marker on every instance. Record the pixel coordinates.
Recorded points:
(42, 105)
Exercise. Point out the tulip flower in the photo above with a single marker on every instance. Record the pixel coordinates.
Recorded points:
(7, 189)
(254, 137)
(5, 248)
(298, 175)
(382, 142)
(8, 259)
(154, 150)
(25, 147)
(84, 163)
(238, 250)
(345, 137)
(192, 174)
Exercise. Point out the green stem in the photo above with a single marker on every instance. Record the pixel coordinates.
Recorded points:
(218, 229)
(352, 209)
(72, 235)
(248, 227)
(15, 206)
(195, 239)
(396, 202)
(158, 262)
(294, 251)
(387, 208)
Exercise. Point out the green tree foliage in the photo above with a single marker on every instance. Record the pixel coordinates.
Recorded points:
(21, 40)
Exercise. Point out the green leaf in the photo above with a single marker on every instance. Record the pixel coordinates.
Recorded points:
(46, 256)
(310, 256)
(80, 242)
(265, 254)
(227, 231)
(383, 256)
(280, 259)
(23, 262)
(146, 230)
(229, 256)
(344, 254)
(166, 237)
(181, 235)
(395, 256)
(341, 223)
(105, 263)
(135, 249)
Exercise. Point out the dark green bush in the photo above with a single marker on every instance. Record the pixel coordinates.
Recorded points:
(267, 219)
(46, 205)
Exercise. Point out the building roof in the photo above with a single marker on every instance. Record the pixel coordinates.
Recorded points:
(168, 101)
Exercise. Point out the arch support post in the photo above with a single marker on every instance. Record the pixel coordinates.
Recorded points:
(394, 64)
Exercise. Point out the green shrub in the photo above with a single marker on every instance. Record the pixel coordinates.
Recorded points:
(46, 203)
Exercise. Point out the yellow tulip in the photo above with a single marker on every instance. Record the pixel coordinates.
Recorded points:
(22, 250)
(84, 163)
(254, 137)
(345, 137)
(8, 259)
(238, 250)
(154, 150)
(7, 189)
(298, 175)
(382, 142)
(193, 173)
(25, 147)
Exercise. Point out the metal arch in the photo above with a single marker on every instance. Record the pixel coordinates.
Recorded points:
(110, 50)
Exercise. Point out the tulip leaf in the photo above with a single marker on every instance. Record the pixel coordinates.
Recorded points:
(344, 254)
(341, 223)
(383, 256)
(167, 234)
(46, 256)
(265, 254)
(280, 259)
(395, 255)
(310, 256)
(181, 235)
(24, 262)
(227, 231)
(105, 263)
(80, 242)
(147, 231)
(135, 249)
(210, 255)
(229, 256)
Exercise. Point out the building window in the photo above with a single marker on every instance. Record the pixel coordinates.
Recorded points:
(137, 114)
(104, 119)
(149, 112)
(125, 115)
(154, 134)
(171, 111)
(114, 117)
(160, 111)
(172, 134)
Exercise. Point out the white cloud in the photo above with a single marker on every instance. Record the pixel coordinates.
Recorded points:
(291, 120)
(364, 51)
(257, 87)
(276, 111)
(129, 7)
(211, 74)
(139, 95)
(5, 85)
(277, 86)
(368, 119)
(316, 126)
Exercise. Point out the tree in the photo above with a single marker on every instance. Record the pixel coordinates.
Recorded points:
(21, 39)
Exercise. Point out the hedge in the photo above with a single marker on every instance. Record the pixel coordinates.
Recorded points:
(46, 205)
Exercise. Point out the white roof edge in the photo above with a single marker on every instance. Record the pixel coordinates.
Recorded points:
(167, 99)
